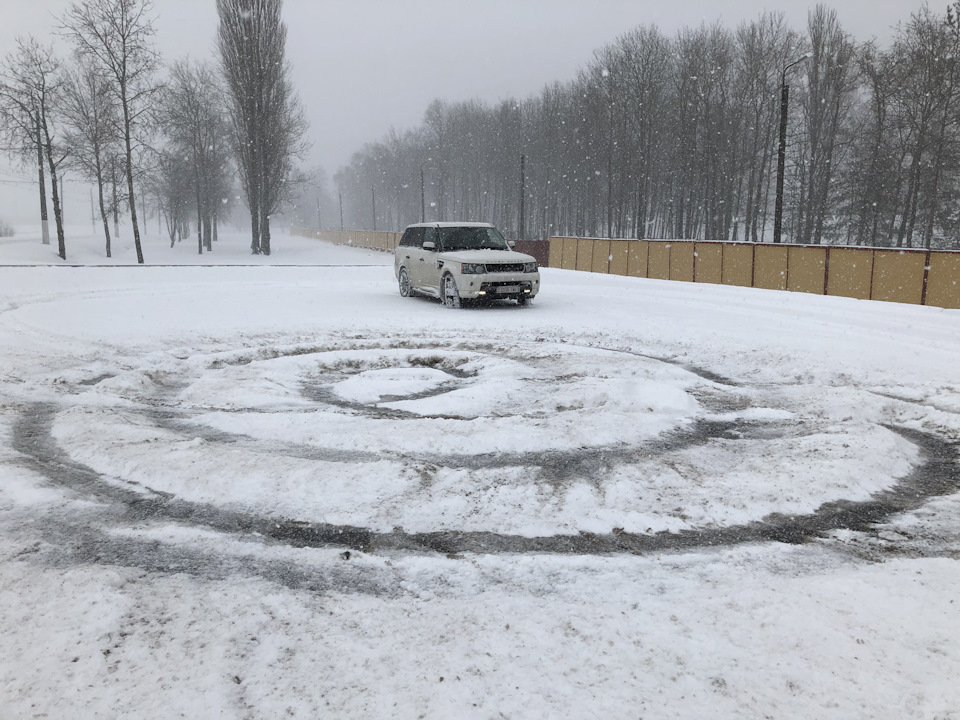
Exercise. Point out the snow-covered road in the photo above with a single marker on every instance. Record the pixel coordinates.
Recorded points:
(258, 492)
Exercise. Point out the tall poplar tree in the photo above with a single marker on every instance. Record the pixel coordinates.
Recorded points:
(268, 122)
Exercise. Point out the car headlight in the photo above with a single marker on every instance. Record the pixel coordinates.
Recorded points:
(473, 268)
(530, 267)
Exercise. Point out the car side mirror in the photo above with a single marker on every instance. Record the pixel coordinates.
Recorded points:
(511, 243)
(429, 245)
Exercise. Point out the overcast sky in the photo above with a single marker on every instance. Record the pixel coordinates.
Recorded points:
(362, 66)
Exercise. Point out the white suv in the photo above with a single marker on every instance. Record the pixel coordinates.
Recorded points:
(463, 261)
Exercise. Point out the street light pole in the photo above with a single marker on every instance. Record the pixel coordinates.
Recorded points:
(522, 223)
(423, 197)
(782, 151)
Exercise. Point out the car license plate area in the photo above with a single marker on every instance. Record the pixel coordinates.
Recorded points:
(508, 289)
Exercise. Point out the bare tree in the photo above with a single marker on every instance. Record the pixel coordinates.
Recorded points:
(92, 117)
(874, 175)
(826, 103)
(172, 183)
(30, 85)
(675, 137)
(268, 121)
(762, 46)
(117, 36)
(192, 117)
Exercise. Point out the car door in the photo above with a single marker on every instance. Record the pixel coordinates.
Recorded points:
(428, 278)
(409, 252)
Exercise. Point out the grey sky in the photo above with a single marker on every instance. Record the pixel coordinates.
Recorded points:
(362, 66)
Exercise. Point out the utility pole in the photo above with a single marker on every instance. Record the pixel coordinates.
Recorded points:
(423, 196)
(521, 225)
(341, 212)
(93, 222)
(319, 219)
(373, 200)
(782, 150)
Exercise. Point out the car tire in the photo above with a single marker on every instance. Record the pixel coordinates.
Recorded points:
(451, 297)
(406, 290)
(521, 300)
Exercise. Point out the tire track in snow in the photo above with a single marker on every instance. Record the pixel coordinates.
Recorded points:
(938, 475)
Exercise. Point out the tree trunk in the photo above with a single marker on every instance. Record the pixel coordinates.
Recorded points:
(57, 214)
(199, 217)
(254, 229)
(103, 213)
(128, 146)
(265, 233)
(44, 218)
(207, 232)
(57, 210)
(116, 198)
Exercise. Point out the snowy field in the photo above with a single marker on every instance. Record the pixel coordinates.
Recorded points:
(275, 488)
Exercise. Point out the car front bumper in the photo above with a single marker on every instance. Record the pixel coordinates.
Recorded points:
(498, 286)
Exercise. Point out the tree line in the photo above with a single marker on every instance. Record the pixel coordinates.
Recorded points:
(677, 137)
(113, 112)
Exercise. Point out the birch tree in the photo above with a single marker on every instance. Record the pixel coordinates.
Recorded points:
(31, 82)
(117, 36)
(192, 115)
(826, 104)
(91, 117)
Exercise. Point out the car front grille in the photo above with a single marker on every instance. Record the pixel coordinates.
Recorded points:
(505, 268)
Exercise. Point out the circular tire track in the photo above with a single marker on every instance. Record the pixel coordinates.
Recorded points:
(938, 475)
(101, 534)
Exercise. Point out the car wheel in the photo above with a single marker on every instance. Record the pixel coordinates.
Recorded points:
(451, 297)
(405, 289)
(521, 300)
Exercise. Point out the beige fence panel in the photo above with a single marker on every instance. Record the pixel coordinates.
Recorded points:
(658, 261)
(682, 257)
(585, 254)
(770, 265)
(709, 262)
(601, 256)
(943, 280)
(556, 252)
(619, 257)
(570, 253)
(898, 276)
(639, 258)
(850, 273)
(807, 270)
(738, 265)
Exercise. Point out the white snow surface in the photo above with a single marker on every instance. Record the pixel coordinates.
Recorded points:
(156, 423)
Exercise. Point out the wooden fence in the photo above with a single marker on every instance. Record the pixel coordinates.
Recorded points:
(920, 277)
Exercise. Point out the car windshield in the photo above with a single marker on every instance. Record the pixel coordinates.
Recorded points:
(471, 238)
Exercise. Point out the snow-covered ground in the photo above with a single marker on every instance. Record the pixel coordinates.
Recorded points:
(281, 489)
